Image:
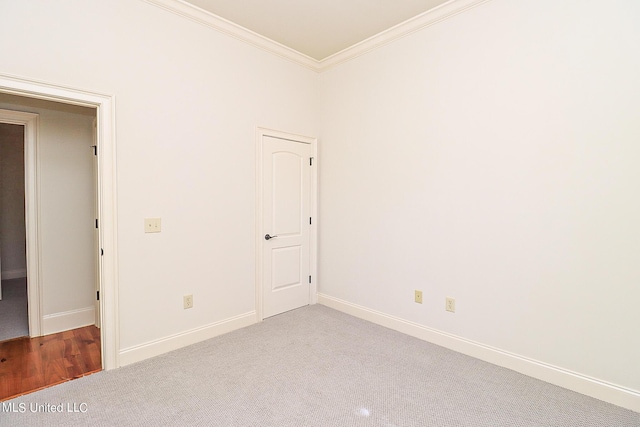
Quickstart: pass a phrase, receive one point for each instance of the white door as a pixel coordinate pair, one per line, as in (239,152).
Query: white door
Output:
(286,201)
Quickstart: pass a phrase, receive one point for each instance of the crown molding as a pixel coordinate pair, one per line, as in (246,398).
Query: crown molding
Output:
(201,16)
(426,19)
(417,23)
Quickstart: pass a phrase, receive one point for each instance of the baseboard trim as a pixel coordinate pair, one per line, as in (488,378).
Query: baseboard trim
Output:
(14,274)
(66,320)
(173,342)
(611,393)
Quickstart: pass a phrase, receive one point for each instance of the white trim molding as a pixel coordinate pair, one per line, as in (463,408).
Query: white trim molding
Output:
(617,395)
(194,13)
(32,213)
(67,320)
(107,209)
(173,342)
(425,19)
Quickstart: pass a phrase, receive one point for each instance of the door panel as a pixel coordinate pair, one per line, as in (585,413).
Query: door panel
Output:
(287,193)
(285,267)
(286,208)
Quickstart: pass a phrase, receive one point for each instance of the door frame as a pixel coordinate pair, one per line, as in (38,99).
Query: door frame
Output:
(106,190)
(313,209)
(30,122)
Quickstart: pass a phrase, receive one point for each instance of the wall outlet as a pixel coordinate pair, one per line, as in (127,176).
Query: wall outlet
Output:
(418,297)
(152,225)
(188,301)
(450,304)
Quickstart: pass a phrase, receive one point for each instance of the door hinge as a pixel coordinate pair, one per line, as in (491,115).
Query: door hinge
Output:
(101,251)
(309,279)
(310,161)
(309,220)
(98,295)
(96,222)
(95,150)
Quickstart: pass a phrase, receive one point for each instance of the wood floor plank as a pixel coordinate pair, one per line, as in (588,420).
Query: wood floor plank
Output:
(30,364)
(71,347)
(53,361)
(11,365)
(75,365)
(89,342)
(32,373)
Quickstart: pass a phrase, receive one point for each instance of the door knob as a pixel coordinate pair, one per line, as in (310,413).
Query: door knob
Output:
(267,237)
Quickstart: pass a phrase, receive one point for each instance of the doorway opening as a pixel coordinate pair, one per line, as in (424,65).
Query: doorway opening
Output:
(52,315)
(286,222)
(14,319)
(48,246)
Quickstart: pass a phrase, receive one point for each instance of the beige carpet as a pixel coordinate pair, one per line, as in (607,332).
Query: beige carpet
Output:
(313,367)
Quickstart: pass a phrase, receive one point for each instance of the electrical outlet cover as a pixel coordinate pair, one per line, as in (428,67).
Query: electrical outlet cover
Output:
(450,304)
(188,301)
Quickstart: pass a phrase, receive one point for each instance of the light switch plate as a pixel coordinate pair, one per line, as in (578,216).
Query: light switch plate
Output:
(418,296)
(152,225)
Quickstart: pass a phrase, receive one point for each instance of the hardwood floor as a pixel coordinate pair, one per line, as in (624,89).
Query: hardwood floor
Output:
(30,364)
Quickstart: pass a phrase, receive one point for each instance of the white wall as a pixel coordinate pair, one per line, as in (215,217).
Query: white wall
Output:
(493,158)
(188,100)
(490,157)
(67,264)
(12,226)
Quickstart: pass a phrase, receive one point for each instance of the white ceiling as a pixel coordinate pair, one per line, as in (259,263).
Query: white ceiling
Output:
(317,28)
